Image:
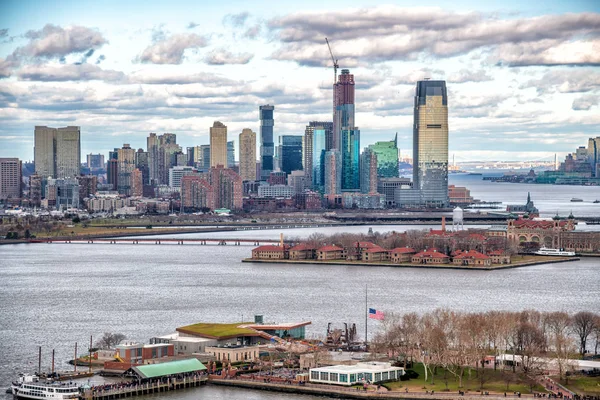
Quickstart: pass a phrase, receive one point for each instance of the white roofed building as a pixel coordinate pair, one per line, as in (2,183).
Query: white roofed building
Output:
(348,375)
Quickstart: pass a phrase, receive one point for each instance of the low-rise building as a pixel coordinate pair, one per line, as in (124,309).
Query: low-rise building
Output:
(331,252)
(402,254)
(376,254)
(303,251)
(137,353)
(472,257)
(235,353)
(430,256)
(499,257)
(348,375)
(270,252)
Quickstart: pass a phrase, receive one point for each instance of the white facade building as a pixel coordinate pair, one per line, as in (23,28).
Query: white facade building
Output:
(348,375)
(275,191)
(176,173)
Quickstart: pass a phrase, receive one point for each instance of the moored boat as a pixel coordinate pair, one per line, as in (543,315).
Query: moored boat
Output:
(30,387)
(576,200)
(554,252)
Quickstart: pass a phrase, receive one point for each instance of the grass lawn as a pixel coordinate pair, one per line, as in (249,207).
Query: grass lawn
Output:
(494,381)
(583,385)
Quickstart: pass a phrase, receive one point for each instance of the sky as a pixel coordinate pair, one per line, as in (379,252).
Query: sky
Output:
(523,78)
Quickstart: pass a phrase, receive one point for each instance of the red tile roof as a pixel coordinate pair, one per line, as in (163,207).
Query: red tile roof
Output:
(477,236)
(377,250)
(271,247)
(330,248)
(403,250)
(496,253)
(472,254)
(302,247)
(430,253)
(532,224)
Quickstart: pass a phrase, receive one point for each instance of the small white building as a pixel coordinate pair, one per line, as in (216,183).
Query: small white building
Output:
(347,375)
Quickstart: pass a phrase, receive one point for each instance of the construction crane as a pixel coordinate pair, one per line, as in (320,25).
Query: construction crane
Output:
(335,62)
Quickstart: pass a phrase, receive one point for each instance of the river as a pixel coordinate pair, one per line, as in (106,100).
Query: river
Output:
(53,295)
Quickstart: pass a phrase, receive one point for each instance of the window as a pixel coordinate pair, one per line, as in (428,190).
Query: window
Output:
(324,376)
(314,375)
(384,376)
(343,377)
(434,126)
(377,376)
(368,376)
(352,378)
(333,377)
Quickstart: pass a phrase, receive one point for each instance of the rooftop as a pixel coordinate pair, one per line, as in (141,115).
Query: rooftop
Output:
(218,331)
(168,368)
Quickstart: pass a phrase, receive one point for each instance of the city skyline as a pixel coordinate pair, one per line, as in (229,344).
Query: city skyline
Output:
(508,76)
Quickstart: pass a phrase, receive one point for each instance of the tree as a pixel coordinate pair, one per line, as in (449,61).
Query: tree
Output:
(109,340)
(584,324)
(559,324)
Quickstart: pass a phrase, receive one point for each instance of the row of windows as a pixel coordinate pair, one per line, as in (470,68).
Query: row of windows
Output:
(367,376)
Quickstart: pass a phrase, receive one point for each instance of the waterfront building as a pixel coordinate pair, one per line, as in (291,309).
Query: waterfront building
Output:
(230,154)
(270,252)
(275,191)
(218,145)
(546,233)
(388,187)
(368,171)
(177,173)
(458,195)
(10,179)
(197,192)
(125,167)
(387,157)
(374,372)
(308,200)
(57,151)
(499,257)
(290,153)
(333,175)
(227,185)
(430,256)
(95,161)
(430,143)
(350,153)
(62,193)
(302,251)
(376,255)
(139,353)
(235,354)
(247,156)
(471,257)
(267,151)
(370,201)
(528,208)
(402,254)
(331,252)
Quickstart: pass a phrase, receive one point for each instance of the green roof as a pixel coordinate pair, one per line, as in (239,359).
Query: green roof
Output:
(169,368)
(218,330)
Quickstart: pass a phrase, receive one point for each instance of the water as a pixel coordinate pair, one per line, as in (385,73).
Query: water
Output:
(54,295)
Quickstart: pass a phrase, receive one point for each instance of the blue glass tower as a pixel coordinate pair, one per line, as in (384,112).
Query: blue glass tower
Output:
(318,161)
(290,153)
(266,140)
(350,159)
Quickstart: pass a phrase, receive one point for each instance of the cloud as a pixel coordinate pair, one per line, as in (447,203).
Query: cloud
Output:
(393,33)
(53,41)
(253,32)
(206,79)
(3,33)
(75,72)
(171,50)
(236,20)
(465,75)
(418,75)
(566,81)
(7,65)
(192,25)
(222,56)
(101,58)
(585,102)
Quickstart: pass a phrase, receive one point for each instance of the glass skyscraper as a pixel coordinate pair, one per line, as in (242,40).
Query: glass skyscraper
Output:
(430,143)
(318,158)
(230,154)
(266,140)
(387,158)
(350,159)
(290,153)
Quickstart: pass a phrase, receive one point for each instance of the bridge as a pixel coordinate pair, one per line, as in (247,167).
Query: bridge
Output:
(221,242)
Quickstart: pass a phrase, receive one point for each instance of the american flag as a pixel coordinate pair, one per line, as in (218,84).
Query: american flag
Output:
(375,314)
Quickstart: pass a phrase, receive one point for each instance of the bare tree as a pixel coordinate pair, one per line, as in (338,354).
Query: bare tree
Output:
(559,324)
(109,340)
(584,323)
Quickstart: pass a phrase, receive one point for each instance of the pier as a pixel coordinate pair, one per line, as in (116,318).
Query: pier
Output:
(122,390)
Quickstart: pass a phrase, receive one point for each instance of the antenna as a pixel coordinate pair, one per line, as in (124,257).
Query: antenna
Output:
(335,62)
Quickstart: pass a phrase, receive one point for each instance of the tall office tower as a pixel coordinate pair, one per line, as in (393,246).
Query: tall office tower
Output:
(593,151)
(88,186)
(45,151)
(307,154)
(290,153)
(430,142)
(318,158)
(10,178)
(152,149)
(247,143)
(126,165)
(142,163)
(167,156)
(35,190)
(112,172)
(197,155)
(205,151)
(387,158)
(230,154)
(350,153)
(190,156)
(333,175)
(343,106)
(68,152)
(266,140)
(95,161)
(218,145)
(137,183)
(180,159)
(368,171)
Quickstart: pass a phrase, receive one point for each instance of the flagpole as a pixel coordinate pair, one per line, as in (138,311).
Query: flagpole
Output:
(366,314)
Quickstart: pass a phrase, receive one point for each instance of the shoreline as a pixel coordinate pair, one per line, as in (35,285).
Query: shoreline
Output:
(410,265)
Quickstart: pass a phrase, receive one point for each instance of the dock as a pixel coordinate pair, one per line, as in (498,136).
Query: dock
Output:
(122,390)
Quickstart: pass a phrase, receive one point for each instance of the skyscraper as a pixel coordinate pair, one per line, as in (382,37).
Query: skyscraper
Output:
(218,144)
(205,151)
(387,158)
(290,153)
(125,167)
(350,153)
(368,171)
(141,163)
(57,151)
(230,154)
(333,175)
(343,107)
(152,149)
(430,142)
(267,150)
(318,158)
(247,143)
(95,161)
(10,178)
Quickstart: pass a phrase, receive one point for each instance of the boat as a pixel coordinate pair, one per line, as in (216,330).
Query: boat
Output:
(596,201)
(576,200)
(554,252)
(30,387)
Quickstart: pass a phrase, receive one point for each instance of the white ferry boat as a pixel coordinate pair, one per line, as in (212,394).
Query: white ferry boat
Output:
(554,252)
(30,387)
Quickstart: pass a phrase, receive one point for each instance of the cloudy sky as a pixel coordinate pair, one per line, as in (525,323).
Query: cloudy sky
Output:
(523,79)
